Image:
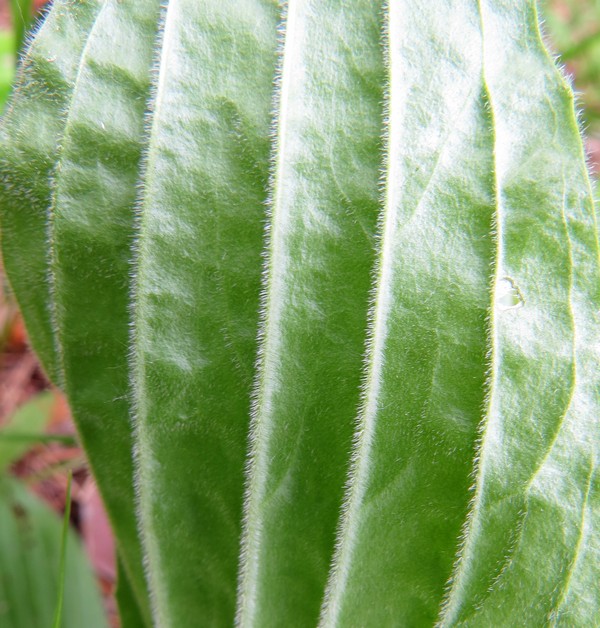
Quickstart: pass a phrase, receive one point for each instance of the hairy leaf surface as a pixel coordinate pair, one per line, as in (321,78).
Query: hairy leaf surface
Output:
(127,601)
(196,308)
(527,528)
(29,147)
(448,320)
(424,386)
(92,227)
(527,544)
(322,228)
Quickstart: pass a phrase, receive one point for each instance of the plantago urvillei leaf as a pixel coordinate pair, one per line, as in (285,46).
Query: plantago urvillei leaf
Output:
(196,300)
(91,233)
(30,137)
(472,493)
(324,210)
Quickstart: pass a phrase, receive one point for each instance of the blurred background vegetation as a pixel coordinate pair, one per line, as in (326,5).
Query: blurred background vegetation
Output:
(573,30)
(38,444)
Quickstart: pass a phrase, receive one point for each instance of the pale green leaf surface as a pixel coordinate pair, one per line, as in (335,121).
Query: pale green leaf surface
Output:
(7,43)
(28,421)
(30,548)
(7,65)
(528,536)
(196,308)
(29,146)
(92,228)
(322,240)
(482,346)
(424,388)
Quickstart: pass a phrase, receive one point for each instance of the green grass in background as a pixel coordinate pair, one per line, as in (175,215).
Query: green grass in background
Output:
(21,12)
(573,28)
(11,41)
(7,63)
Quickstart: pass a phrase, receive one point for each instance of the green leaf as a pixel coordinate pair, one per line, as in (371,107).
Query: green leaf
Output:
(573,29)
(471,283)
(7,42)
(24,429)
(130,615)
(7,65)
(92,225)
(324,212)
(31,439)
(30,549)
(529,542)
(196,304)
(29,147)
(527,529)
(424,386)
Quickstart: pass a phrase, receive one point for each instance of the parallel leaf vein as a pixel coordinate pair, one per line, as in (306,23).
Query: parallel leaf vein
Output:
(375,355)
(452,603)
(52,208)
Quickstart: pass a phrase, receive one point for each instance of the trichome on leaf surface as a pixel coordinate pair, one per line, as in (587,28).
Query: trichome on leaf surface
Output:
(322,284)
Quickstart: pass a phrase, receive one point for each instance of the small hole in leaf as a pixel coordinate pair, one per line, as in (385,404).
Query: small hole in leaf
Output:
(508,295)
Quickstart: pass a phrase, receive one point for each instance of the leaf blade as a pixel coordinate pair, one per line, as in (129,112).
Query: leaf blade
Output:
(30,553)
(322,230)
(28,422)
(197,287)
(62,569)
(424,387)
(29,146)
(92,228)
(526,526)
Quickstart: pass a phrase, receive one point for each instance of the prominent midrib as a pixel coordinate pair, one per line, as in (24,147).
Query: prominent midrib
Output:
(269,337)
(145,525)
(451,604)
(461,580)
(377,335)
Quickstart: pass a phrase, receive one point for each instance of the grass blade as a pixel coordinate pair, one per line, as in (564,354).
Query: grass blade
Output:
(63,555)
(21,15)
